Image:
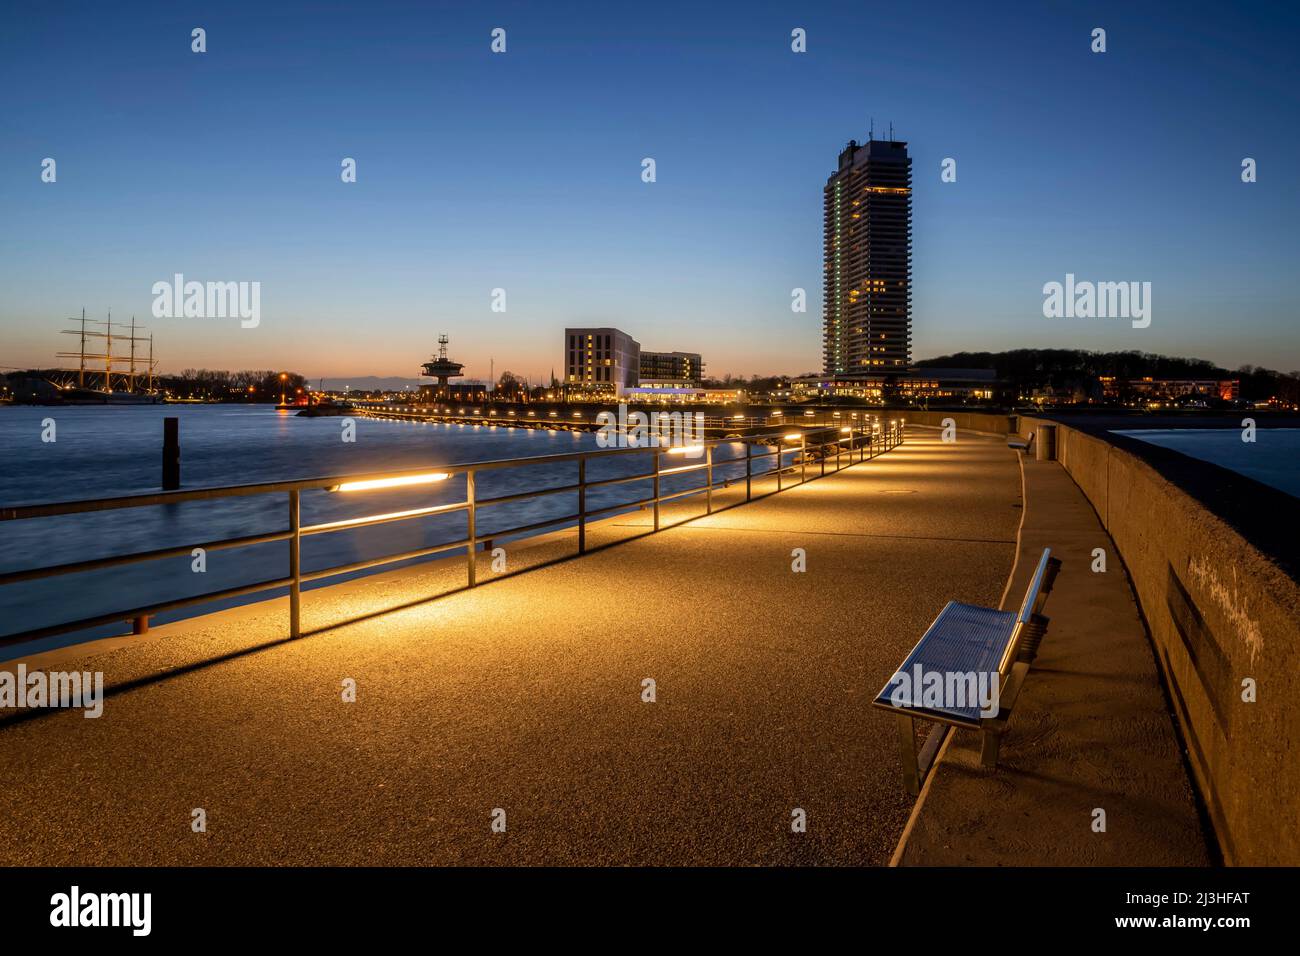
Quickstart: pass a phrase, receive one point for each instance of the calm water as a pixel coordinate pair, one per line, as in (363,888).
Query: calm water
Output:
(103,451)
(1273,458)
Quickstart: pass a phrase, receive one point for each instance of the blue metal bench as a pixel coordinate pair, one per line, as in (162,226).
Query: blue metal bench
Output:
(967,648)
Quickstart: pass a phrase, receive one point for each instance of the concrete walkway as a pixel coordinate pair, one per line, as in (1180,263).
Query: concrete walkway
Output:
(1091,730)
(525,694)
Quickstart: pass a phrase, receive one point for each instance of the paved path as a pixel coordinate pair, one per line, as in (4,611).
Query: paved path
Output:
(1092,728)
(525,694)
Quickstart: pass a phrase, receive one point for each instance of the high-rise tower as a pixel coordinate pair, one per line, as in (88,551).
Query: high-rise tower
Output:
(867,317)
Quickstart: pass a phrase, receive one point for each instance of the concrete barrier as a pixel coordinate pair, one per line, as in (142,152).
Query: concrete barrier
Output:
(1224,620)
(983,423)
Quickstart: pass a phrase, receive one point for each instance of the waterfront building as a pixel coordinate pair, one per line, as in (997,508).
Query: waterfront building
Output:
(603,363)
(867,261)
(671,369)
(1147,387)
(910,385)
(669,394)
(600,362)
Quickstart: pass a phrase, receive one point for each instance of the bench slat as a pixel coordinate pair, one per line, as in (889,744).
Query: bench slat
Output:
(964,639)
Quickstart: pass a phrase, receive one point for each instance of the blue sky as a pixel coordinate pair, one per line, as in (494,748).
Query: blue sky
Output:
(522,171)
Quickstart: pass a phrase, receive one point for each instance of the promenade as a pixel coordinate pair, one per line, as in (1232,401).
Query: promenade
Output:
(525,694)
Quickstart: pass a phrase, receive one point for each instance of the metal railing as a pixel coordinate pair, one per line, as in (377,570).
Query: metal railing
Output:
(490,413)
(866,441)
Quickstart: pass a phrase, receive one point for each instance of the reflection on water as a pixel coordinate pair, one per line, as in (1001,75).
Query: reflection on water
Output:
(105,451)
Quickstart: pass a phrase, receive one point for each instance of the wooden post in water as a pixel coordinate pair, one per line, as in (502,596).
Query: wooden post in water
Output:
(171,457)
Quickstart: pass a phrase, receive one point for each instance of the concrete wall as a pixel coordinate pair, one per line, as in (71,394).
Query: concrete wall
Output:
(1220,613)
(985,423)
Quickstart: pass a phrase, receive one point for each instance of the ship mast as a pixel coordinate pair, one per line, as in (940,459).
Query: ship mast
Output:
(81,372)
(130,375)
(108,354)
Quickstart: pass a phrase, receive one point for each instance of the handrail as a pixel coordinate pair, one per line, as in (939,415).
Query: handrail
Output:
(865,439)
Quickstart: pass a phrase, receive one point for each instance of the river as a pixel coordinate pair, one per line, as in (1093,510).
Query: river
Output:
(105,451)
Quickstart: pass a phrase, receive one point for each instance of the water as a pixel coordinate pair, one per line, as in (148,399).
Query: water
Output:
(107,451)
(1273,458)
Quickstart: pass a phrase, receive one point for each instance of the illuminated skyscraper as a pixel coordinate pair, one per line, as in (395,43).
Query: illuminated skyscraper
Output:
(867,317)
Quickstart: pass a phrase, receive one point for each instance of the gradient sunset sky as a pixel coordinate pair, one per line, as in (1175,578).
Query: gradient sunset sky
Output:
(523,171)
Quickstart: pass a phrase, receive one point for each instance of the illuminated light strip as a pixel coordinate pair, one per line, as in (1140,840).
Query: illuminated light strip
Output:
(392,515)
(793,437)
(391,482)
(685,450)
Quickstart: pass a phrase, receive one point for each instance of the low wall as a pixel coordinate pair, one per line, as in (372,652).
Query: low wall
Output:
(986,423)
(1223,616)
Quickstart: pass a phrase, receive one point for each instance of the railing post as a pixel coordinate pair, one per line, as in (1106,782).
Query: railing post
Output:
(708,474)
(780,460)
(656,508)
(803,457)
(471,564)
(749,469)
(582,506)
(295,564)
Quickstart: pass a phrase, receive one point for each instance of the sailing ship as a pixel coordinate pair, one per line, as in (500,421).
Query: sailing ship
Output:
(125,379)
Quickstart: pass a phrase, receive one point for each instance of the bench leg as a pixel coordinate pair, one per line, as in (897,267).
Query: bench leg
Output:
(990,741)
(907,753)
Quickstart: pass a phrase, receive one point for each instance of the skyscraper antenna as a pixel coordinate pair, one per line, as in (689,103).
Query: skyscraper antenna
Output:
(871,132)
(891,131)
